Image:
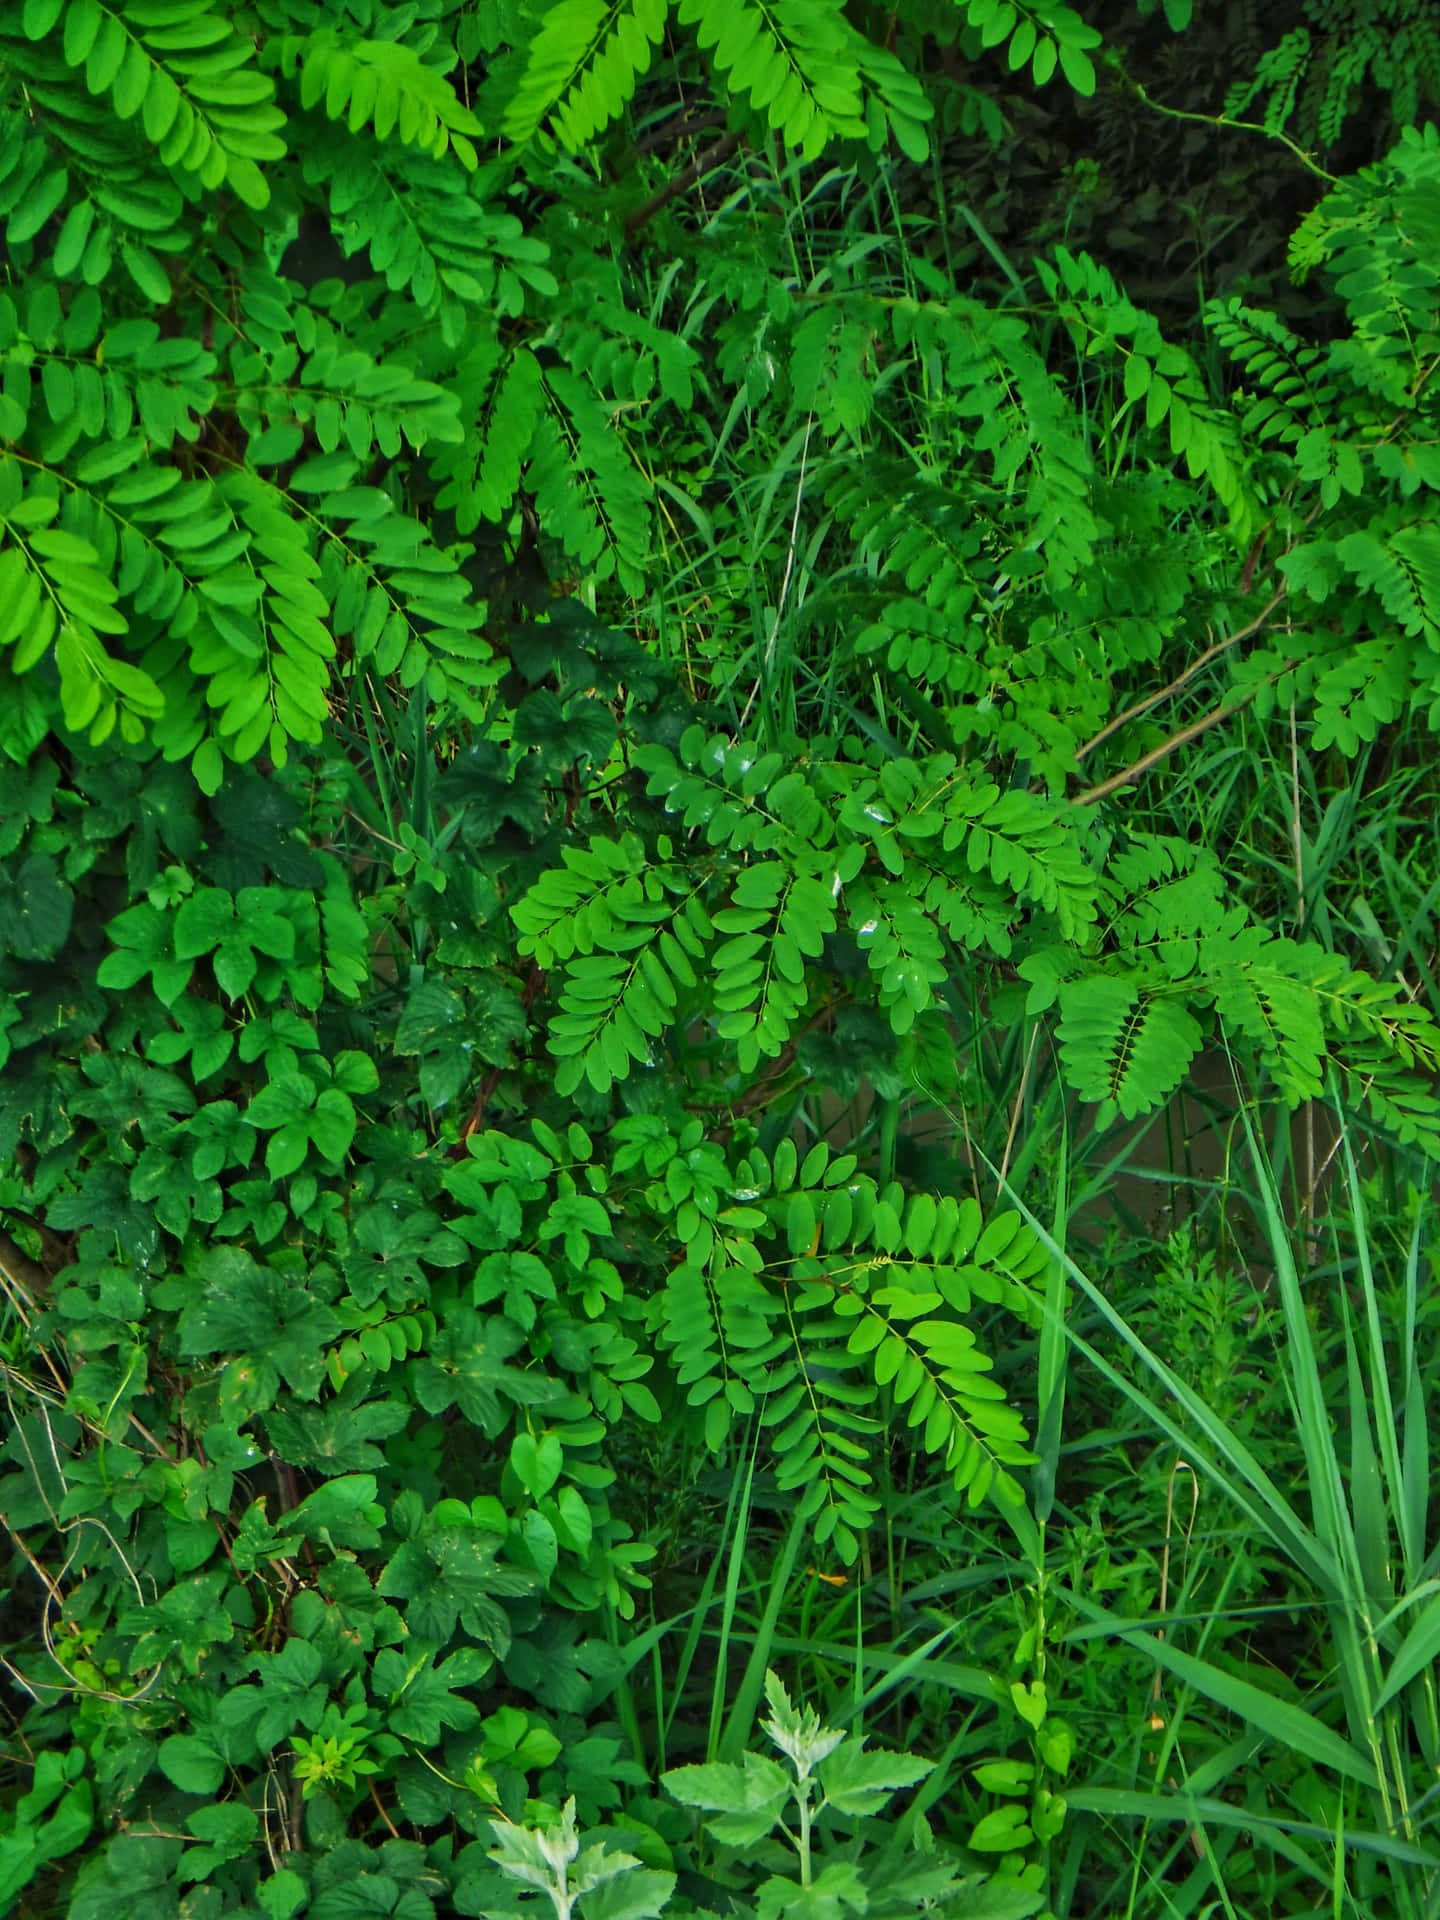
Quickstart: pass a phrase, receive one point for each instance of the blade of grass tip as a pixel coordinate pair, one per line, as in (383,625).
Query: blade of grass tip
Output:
(1337,1881)
(1054,1350)
(928,1792)
(1414,1508)
(1412,1519)
(1385,1416)
(657,1691)
(1254,1493)
(1192,1810)
(893,1676)
(1367,1492)
(1386,1424)
(1209,1776)
(383,791)
(991,246)
(967,1683)
(625,1707)
(1417,1654)
(1353,1528)
(739,1491)
(857,1682)
(733,1568)
(422,765)
(752,1682)
(1355,1626)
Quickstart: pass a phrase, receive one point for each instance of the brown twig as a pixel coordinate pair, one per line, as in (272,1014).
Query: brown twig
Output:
(1167,747)
(492,1079)
(380,1809)
(682,127)
(55,1248)
(714,156)
(1183,679)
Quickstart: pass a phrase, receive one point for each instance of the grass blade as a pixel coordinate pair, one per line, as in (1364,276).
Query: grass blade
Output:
(1295,1729)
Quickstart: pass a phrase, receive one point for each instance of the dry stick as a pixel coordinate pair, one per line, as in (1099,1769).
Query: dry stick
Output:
(297,1815)
(1182,680)
(270,1774)
(55,1596)
(28,1278)
(714,156)
(25,1285)
(380,1809)
(1167,747)
(492,1079)
(683,127)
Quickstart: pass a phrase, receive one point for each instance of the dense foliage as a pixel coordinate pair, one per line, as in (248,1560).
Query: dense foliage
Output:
(591,681)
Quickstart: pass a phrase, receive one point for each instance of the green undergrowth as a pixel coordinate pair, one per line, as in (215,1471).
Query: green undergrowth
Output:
(717,1003)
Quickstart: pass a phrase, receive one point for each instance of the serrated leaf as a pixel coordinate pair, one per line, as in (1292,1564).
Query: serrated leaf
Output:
(191,1764)
(858,1782)
(746,1799)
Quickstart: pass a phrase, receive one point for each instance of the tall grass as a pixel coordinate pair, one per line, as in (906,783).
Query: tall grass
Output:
(1332,1767)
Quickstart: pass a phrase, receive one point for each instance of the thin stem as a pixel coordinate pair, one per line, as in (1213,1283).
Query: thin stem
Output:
(706,162)
(1167,747)
(1226,124)
(769,654)
(1183,679)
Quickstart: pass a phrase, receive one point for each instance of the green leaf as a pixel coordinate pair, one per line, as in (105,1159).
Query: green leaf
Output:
(537,1463)
(748,1798)
(1002,1830)
(859,1783)
(285,1098)
(203,922)
(332,1123)
(800,1223)
(1077,68)
(292,1692)
(191,1764)
(639,1893)
(229,1831)
(35,909)
(422,1698)
(40,17)
(37,206)
(282,1895)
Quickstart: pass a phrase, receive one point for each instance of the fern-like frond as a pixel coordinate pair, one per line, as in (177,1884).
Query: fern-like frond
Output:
(796,60)
(383,85)
(56,597)
(1040,36)
(808,1289)
(1402,569)
(181,72)
(775,922)
(583,67)
(1123,1048)
(431,230)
